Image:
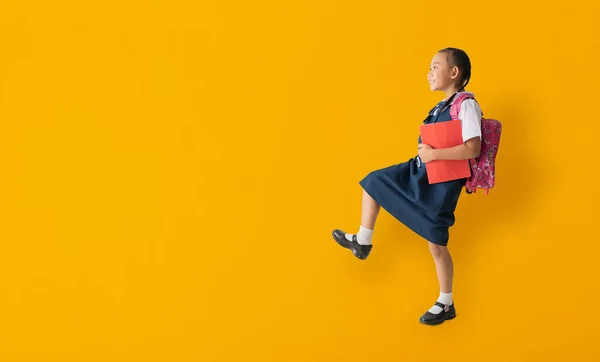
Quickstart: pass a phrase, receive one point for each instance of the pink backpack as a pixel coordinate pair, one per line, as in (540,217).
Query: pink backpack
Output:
(483,167)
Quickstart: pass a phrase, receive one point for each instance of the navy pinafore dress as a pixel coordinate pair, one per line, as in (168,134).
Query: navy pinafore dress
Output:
(404,191)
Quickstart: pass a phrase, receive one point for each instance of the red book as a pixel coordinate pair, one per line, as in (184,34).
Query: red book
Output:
(444,135)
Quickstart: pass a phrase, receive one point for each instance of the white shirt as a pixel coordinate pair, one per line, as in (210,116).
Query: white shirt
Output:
(470,117)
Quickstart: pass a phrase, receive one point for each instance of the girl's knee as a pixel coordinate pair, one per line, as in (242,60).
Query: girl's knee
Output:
(437,250)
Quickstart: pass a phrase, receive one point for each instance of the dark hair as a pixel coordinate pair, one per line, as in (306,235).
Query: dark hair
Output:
(460,59)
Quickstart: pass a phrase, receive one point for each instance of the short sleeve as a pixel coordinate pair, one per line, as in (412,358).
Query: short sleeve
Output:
(470,117)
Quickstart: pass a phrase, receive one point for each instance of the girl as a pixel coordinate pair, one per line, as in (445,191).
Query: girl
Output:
(404,191)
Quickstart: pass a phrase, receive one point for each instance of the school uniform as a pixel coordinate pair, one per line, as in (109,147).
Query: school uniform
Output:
(404,191)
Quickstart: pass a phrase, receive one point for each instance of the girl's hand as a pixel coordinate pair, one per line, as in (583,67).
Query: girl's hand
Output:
(425,153)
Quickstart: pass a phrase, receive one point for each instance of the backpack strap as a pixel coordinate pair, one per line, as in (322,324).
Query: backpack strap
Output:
(455,107)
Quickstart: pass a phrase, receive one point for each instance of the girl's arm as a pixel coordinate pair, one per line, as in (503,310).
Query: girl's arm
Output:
(467,150)
(470,116)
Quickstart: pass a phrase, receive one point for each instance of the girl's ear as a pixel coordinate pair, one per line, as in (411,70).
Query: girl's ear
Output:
(454,72)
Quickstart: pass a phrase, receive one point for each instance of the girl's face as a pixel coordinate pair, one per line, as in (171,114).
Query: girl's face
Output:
(441,75)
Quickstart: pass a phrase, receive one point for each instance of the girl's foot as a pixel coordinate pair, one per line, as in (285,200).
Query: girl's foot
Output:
(360,251)
(448,312)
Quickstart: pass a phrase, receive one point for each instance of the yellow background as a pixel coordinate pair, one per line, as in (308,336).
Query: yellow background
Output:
(172,172)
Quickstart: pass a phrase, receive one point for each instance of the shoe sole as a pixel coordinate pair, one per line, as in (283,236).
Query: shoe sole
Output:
(355,251)
(436,323)
(357,254)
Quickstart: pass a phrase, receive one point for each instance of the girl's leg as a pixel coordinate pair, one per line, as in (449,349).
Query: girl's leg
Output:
(443,265)
(443,309)
(360,243)
(370,210)
(445,272)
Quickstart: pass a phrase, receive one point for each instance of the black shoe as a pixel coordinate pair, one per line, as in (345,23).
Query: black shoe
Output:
(447,313)
(360,251)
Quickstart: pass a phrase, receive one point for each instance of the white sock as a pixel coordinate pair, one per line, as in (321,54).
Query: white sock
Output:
(363,237)
(445,298)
